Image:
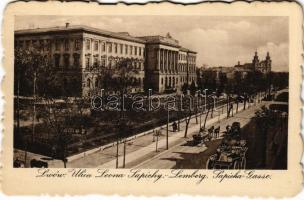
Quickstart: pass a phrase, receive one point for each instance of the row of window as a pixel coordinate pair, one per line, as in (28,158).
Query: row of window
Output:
(169,81)
(37,44)
(67,45)
(96,61)
(182,57)
(191,59)
(172,81)
(111,63)
(116,48)
(181,67)
(46,44)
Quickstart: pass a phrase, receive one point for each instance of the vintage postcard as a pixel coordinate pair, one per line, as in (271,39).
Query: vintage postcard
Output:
(155,99)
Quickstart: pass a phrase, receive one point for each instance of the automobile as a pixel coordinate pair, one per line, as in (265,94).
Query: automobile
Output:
(234,131)
(236,127)
(231,154)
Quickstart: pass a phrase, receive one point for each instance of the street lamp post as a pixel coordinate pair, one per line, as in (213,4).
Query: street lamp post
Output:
(157,133)
(213,108)
(200,120)
(205,90)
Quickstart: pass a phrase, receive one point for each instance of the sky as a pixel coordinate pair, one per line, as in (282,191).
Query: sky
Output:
(219,41)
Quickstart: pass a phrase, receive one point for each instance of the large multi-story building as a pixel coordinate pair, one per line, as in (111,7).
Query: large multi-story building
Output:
(168,65)
(79,53)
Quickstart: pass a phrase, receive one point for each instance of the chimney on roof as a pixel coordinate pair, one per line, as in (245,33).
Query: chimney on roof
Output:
(67,25)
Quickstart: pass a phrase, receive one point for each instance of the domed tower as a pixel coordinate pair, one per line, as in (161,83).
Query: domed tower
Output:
(255,61)
(268,63)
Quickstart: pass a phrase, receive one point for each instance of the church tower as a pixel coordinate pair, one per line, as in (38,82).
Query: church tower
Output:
(268,63)
(255,61)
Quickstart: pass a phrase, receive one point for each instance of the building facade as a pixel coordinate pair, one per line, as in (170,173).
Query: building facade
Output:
(168,65)
(79,54)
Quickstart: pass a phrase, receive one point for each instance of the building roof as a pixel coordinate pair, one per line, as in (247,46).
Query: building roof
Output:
(186,50)
(244,67)
(83,28)
(219,69)
(166,40)
(158,39)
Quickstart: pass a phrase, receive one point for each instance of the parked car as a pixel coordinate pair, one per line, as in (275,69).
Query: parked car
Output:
(231,154)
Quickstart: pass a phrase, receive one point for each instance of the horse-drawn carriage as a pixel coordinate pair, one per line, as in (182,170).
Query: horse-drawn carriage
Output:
(201,137)
(204,136)
(231,153)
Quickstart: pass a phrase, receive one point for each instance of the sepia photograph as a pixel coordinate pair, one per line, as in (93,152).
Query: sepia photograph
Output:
(151,92)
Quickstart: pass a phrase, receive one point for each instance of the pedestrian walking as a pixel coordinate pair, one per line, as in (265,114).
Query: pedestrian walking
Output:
(54,150)
(231,108)
(217,132)
(174,126)
(228,129)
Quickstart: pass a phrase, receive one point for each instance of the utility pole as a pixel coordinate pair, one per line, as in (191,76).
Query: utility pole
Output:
(205,90)
(213,107)
(117,151)
(200,120)
(124,154)
(157,133)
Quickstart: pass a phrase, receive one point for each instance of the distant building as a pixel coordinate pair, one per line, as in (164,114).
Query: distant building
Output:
(263,66)
(79,52)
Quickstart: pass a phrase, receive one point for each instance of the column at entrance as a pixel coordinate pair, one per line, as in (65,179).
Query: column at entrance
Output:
(158,59)
(163,59)
(167,61)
